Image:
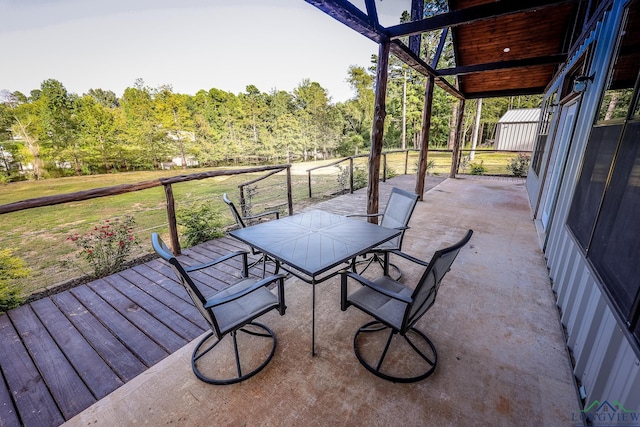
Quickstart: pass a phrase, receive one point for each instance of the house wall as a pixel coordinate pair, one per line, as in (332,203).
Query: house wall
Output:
(606,362)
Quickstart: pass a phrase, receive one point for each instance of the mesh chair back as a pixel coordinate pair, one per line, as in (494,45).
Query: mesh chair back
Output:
(398,212)
(234,211)
(426,291)
(196,296)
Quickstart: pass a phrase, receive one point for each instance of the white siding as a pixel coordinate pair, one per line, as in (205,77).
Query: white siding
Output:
(605,363)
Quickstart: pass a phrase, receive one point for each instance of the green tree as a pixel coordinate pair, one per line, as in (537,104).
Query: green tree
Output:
(142,132)
(60,123)
(312,103)
(176,121)
(98,132)
(27,125)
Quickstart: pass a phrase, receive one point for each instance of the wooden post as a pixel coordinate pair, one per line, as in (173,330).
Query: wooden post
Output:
(455,155)
(171,217)
(379,114)
(406,161)
(309,180)
(243,202)
(289,191)
(384,167)
(424,136)
(351,175)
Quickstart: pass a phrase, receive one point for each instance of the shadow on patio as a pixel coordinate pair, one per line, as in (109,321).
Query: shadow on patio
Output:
(502,356)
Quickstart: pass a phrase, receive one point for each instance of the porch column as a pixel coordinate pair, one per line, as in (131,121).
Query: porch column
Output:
(379,115)
(424,136)
(455,155)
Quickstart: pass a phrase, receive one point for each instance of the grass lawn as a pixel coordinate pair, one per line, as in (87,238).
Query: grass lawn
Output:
(39,235)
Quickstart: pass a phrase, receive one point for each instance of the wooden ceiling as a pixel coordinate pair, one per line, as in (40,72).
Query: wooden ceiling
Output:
(502,48)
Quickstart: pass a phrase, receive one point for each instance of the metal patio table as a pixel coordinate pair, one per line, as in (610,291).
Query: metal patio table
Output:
(310,244)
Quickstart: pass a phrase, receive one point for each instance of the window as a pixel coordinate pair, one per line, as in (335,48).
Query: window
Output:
(549,106)
(604,211)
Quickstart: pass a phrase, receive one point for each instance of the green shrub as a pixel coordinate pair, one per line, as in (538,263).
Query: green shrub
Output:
(11,269)
(519,166)
(202,223)
(343,178)
(431,164)
(478,168)
(107,246)
(360,177)
(391,172)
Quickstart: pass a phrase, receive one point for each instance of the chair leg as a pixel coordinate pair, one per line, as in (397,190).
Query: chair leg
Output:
(429,357)
(264,259)
(198,353)
(384,264)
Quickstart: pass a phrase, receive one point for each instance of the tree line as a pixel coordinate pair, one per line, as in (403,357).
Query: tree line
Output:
(60,133)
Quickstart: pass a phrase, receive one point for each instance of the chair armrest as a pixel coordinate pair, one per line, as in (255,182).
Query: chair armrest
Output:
(369,284)
(260,215)
(214,302)
(215,261)
(409,257)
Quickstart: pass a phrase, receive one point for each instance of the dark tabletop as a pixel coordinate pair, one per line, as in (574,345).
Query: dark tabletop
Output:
(315,241)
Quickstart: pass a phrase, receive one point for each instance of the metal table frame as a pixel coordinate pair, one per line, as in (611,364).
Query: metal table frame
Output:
(310,244)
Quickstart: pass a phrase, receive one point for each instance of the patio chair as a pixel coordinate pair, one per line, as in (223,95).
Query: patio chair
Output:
(396,308)
(240,221)
(396,215)
(228,312)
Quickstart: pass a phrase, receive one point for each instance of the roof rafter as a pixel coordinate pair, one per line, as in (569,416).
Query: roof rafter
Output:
(468,15)
(405,54)
(352,17)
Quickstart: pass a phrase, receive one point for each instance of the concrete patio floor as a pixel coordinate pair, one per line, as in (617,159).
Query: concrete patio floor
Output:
(502,359)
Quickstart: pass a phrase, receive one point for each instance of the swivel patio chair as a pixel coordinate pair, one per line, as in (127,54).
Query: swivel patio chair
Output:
(241,222)
(228,312)
(396,308)
(396,215)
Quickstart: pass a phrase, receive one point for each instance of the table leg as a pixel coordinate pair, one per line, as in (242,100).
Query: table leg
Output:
(313,320)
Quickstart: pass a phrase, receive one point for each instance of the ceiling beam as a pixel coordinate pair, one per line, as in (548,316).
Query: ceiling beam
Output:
(470,14)
(492,66)
(503,93)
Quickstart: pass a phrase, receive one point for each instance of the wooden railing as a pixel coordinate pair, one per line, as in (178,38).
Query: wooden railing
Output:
(168,190)
(350,160)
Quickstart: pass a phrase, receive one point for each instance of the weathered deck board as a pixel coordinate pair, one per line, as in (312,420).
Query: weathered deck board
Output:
(95,337)
(147,350)
(32,399)
(61,353)
(124,363)
(93,370)
(67,388)
(8,413)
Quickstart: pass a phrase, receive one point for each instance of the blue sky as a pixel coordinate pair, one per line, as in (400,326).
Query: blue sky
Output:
(190,44)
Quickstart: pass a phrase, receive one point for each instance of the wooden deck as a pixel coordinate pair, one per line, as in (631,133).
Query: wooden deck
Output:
(62,353)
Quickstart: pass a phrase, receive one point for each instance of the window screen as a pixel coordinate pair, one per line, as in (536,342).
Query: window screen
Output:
(615,249)
(593,178)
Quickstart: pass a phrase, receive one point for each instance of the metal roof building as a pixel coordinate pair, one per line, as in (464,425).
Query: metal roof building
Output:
(516,130)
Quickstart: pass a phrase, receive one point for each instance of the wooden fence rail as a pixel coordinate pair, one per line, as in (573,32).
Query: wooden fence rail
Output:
(166,182)
(350,160)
